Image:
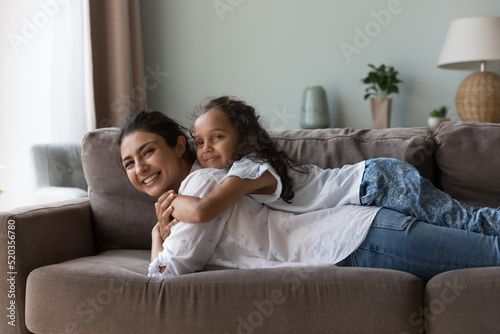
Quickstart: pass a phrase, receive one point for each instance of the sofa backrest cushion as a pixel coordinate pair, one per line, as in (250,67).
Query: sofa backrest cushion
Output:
(331,148)
(468,161)
(124,217)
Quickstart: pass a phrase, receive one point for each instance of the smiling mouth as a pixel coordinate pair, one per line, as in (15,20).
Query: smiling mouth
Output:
(151,178)
(211,159)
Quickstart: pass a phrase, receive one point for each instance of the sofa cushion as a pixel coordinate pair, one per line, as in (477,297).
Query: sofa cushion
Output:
(468,162)
(463,301)
(329,148)
(110,293)
(123,216)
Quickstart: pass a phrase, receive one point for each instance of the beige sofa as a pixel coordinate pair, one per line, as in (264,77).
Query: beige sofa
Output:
(80,266)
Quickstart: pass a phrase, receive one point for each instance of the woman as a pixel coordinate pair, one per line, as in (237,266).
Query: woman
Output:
(156,156)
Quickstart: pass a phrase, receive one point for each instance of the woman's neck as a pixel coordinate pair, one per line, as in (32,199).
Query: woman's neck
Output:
(185,170)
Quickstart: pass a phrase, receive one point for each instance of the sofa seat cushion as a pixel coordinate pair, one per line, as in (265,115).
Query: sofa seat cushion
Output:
(463,301)
(110,293)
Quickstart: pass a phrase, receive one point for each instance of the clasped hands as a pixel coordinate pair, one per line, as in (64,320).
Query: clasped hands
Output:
(164,210)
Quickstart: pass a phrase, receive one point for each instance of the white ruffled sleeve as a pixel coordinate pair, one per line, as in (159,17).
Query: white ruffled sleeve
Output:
(154,267)
(249,168)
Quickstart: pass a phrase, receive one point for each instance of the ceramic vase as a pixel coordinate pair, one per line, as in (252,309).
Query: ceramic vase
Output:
(314,111)
(381,112)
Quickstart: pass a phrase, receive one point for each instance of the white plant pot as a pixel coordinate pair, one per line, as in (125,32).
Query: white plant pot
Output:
(433,122)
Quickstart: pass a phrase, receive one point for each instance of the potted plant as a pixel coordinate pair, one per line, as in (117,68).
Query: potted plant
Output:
(437,116)
(382,81)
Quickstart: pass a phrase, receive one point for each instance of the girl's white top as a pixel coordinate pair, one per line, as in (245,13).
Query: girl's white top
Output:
(251,235)
(314,188)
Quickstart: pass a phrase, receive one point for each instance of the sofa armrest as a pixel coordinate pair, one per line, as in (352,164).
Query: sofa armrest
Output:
(35,236)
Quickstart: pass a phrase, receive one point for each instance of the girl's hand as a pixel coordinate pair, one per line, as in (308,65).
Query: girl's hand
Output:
(163,214)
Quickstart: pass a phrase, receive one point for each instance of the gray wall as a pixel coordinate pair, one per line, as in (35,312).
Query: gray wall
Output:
(267,51)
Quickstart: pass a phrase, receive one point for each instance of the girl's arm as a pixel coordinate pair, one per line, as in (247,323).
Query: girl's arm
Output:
(199,210)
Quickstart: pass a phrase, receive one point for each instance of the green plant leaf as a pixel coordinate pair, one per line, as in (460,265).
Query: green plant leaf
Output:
(382,81)
(439,112)
(435,113)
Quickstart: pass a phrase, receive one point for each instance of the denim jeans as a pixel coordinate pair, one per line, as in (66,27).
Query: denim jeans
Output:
(397,185)
(399,242)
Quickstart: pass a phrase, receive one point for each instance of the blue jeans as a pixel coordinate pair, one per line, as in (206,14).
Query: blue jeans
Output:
(399,242)
(397,185)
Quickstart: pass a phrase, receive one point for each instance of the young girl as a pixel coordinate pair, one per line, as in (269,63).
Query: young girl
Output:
(221,139)
(227,135)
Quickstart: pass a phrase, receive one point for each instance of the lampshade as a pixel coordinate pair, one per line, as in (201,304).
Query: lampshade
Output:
(471,41)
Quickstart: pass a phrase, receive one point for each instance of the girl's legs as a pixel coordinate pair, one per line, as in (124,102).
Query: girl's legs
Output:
(397,185)
(398,242)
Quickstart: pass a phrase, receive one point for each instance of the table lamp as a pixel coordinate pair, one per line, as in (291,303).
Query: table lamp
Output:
(474,44)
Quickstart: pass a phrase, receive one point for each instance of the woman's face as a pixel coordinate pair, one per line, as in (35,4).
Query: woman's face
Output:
(151,165)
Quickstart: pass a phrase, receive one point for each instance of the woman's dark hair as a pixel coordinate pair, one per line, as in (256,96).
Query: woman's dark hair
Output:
(160,124)
(253,139)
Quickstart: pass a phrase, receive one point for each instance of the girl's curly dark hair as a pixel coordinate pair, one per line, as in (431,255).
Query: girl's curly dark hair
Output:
(253,138)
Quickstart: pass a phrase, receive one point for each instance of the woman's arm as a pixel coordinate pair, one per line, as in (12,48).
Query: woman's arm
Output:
(199,210)
(161,231)
(156,244)
(190,246)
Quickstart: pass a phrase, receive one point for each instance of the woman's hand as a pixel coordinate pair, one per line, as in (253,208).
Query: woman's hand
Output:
(163,214)
(155,233)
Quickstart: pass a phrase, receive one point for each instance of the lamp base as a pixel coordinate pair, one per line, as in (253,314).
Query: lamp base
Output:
(478,98)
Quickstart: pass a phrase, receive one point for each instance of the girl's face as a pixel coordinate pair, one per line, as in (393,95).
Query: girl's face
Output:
(151,165)
(215,139)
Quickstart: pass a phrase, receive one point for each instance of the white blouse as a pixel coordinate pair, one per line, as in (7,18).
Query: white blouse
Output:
(251,235)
